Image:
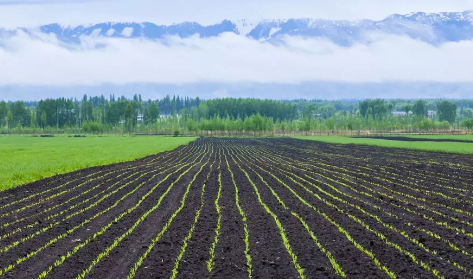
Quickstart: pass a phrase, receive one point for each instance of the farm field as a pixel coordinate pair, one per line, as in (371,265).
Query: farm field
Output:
(26,159)
(247,208)
(448,144)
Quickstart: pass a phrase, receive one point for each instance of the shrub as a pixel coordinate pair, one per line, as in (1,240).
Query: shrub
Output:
(93,127)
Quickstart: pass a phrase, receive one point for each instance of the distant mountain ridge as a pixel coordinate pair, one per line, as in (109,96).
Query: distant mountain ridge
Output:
(431,28)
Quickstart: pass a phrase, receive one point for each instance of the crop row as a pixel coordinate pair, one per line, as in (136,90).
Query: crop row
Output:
(260,207)
(136,183)
(264,158)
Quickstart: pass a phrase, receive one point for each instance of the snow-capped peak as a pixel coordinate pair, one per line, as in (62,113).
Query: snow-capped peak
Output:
(244,26)
(431,28)
(127,32)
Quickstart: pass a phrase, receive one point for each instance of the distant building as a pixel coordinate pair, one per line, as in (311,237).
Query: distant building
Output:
(431,114)
(400,113)
(139,118)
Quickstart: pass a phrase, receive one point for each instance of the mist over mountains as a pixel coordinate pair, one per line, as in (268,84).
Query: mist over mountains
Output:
(418,55)
(432,28)
(305,90)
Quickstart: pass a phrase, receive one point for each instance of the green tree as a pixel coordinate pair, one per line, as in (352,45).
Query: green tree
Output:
(116,112)
(307,125)
(3,113)
(377,108)
(192,125)
(33,119)
(468,124)
(184,115)
(447,111)
(308,112)
(44,120)
(21,114)
(419,108)
(407,109)
(129,117)
(153,112)
(204,111)
(146,118)
(10,119)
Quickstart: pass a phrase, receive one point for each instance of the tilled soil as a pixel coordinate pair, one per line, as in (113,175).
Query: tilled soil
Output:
(247,208)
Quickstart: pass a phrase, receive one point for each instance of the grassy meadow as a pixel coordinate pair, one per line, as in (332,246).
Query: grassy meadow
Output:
(25,159)
(449,147)
(455,137)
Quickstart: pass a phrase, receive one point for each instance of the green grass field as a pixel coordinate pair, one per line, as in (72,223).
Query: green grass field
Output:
(450,147)
(25,158)
(457,137)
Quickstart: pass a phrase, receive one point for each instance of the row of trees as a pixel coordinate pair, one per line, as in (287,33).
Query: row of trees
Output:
(246,107)
(187,115)
(378,109)
(15,114)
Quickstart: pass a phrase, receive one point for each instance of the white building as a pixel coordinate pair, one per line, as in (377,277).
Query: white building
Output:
(431,114)
(400,113)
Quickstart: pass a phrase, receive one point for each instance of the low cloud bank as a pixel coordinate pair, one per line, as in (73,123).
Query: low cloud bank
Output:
(38,59)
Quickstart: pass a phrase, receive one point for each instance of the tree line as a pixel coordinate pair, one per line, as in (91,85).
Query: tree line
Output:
(231,115)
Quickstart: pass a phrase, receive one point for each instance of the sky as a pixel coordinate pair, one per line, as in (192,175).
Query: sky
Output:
(41,60)
(29,13)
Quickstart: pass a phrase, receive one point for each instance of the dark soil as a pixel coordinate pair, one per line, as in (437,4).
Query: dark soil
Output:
(398,205)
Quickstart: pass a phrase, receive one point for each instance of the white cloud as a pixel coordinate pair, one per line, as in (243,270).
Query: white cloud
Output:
(43,60)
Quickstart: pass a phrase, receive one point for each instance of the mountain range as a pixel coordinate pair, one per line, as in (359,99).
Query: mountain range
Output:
(433,28)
